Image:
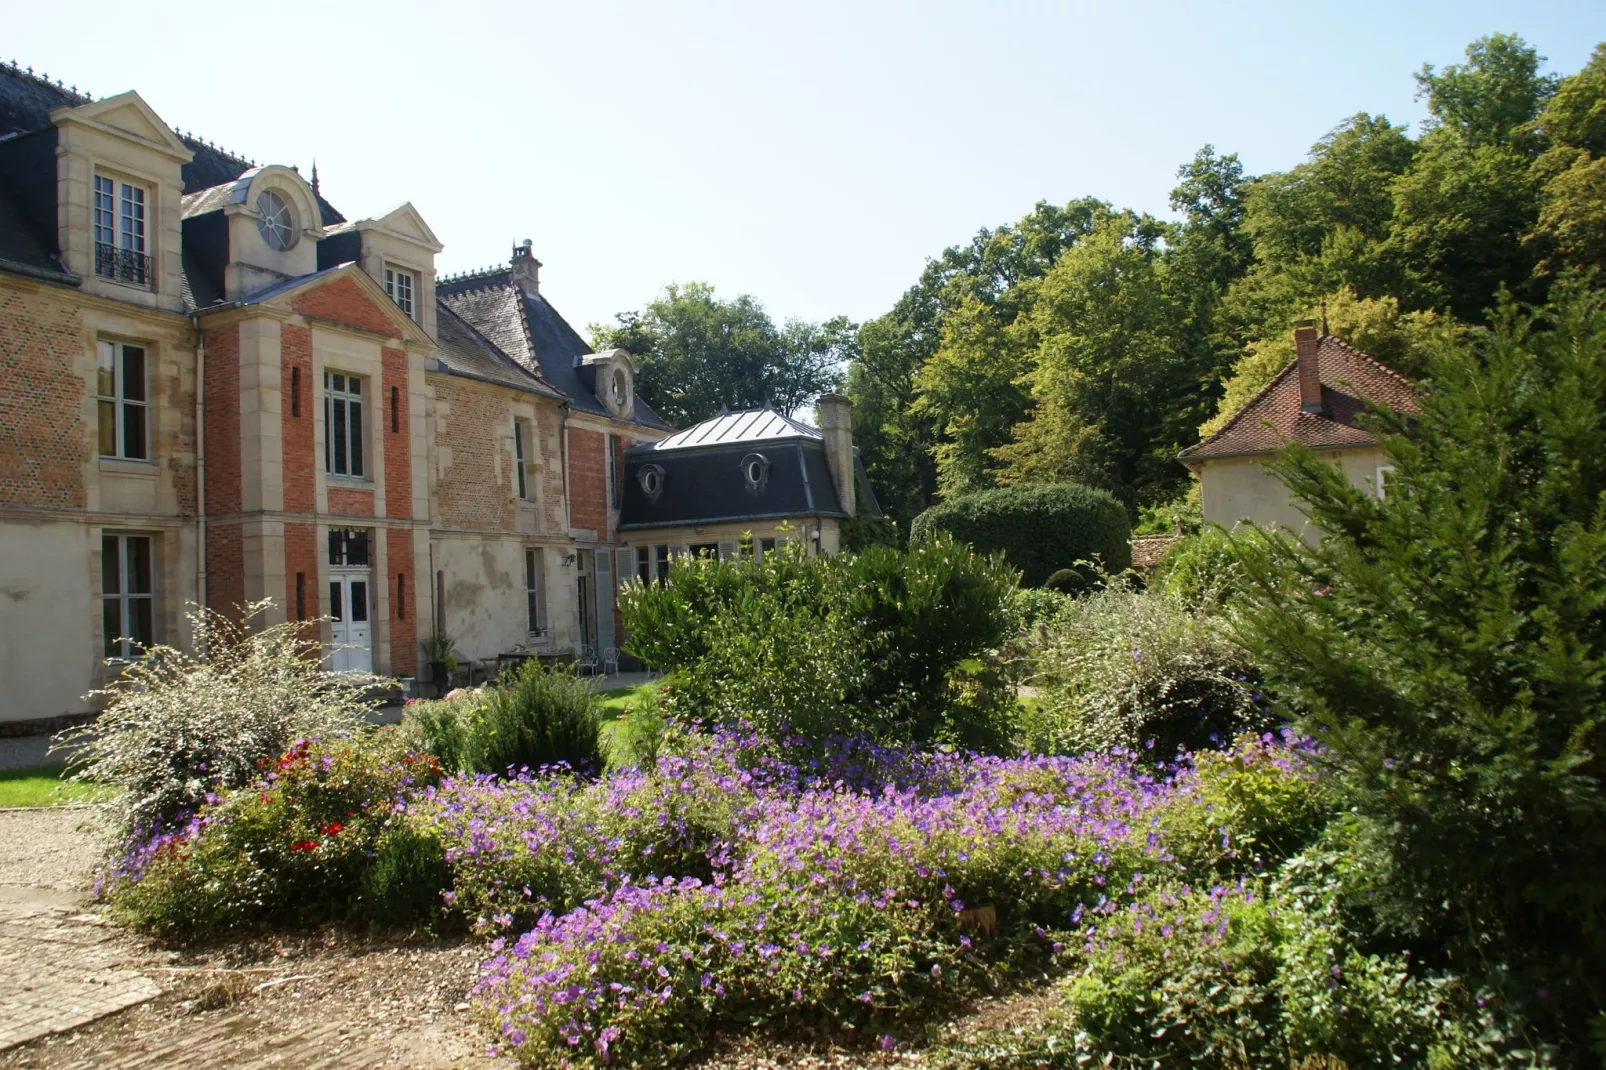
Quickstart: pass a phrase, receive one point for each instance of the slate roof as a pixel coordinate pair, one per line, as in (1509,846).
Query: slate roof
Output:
(461,350)
(525,326)
(26,174)
(704,483)
(1350,379)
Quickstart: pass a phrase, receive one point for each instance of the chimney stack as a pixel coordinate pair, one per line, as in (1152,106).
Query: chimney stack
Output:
(1310,373)
(526,268)
(836,422)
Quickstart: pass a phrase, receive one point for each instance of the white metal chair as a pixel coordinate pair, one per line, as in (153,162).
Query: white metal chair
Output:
(587,660)
(610,661)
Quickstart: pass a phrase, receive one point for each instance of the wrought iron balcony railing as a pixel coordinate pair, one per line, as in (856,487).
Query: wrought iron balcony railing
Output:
(123,265)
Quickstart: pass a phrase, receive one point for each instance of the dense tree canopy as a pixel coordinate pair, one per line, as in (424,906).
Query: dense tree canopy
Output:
(1089,343)
(697,353)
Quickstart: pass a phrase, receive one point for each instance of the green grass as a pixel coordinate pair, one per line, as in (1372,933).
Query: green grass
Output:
(616,705)
(41,785)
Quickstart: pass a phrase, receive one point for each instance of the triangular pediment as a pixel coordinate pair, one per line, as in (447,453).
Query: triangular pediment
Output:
(127,114)
(404,222)
(343,295)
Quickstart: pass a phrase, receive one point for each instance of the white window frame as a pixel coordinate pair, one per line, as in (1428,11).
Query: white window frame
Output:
(111,361)
(349,401)
(121,218)
(401,284)
(120,644)
(535,589)
(1384,471)
(520,461)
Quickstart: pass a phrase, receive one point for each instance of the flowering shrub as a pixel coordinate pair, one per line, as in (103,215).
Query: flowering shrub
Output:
(299,844)
(819,900)
(179,727)
(1122,668)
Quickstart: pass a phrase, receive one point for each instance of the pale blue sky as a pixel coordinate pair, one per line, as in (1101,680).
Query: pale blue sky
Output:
(812,155)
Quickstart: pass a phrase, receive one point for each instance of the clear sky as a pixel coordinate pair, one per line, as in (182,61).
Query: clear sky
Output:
(813,154)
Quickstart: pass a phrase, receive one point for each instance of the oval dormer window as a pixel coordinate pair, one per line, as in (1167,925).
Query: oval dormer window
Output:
(755,469)
(651,478)
(620,388)
(275,221)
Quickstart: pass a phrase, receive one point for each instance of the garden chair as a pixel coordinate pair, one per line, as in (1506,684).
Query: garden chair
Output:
(610,661)
(587,661)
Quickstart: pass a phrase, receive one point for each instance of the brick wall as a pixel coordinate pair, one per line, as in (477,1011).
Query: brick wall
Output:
(301,555)
(403,610)
(398,450)
(344,301)
(43,440)
(588,480)
(300,466)
(222,396)
(350,501)
(474,488)
(225,565)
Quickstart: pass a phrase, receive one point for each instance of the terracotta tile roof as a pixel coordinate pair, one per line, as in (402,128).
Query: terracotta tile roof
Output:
(1350,379)
(1149,550)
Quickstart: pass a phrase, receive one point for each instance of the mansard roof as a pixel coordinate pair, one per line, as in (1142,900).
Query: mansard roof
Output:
(464,351)
(1351,381)
(525,326)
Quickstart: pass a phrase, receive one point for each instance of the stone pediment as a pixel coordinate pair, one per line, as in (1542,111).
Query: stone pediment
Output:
(128,115)
(404,222)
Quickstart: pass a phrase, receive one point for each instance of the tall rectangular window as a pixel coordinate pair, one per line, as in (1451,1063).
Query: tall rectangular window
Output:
(342,414)
(535,589)
(613,472)
(1385,476)
(120,236)
(121,393)
(518,461)
(127,592)
(399,285)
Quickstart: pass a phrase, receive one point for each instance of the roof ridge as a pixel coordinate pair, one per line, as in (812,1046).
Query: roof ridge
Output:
(466,276)
(1384,368)
(1239,415)
(43,79)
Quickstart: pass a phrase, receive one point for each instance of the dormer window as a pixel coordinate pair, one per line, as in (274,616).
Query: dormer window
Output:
(120,251)
(276,221)
(399,284)
(620,387)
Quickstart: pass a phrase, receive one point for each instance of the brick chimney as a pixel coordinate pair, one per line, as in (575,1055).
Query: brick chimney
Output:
(526,268)
(836,422)
(1310,373)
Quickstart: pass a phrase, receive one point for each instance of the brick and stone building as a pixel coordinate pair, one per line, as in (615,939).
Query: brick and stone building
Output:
(217,389)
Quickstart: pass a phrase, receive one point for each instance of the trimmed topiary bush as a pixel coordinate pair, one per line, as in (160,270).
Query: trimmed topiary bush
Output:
(1042,528)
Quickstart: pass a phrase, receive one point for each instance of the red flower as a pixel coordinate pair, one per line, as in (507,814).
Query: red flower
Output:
(334,828)
(304,845)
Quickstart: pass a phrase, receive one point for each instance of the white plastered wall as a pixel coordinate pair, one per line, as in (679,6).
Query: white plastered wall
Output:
(1237,489)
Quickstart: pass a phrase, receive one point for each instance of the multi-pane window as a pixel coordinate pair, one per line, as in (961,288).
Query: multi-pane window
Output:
(399,285)
(348,547)
(121,395)
(519,460)
(120,251)
(127,591)
(342,413)
(535,590)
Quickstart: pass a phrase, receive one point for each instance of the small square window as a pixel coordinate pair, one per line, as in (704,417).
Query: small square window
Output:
(1385,476)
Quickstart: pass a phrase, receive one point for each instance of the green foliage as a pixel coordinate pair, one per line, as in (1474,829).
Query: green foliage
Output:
(1121,667)
(1040,528)
(1448,648)
(536,716)
(178,726)
(1201,572)
(892,644)
(1031,606)
(862,531)
(316,839)
(1182,515)
(697,353)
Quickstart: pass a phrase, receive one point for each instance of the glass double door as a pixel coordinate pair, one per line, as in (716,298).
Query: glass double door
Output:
(351,632)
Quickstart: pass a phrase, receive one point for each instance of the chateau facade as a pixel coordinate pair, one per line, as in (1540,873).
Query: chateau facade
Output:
(218,389)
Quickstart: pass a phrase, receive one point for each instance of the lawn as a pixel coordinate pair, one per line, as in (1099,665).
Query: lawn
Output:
(616,705)
(41,785)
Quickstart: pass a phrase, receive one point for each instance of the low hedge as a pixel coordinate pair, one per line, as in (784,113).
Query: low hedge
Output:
(1041,528)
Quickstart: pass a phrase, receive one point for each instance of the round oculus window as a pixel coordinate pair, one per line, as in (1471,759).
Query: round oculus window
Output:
(276,222)
(755,468)
(652,480)
(621,387)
